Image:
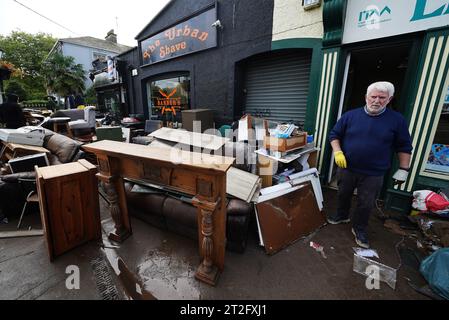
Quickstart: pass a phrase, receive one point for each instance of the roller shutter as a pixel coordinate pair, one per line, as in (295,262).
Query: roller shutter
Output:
(277,86)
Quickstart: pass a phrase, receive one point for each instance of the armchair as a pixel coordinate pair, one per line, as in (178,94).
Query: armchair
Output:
(87,123)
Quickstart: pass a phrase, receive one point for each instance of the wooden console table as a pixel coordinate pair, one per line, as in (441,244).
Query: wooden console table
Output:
(202,176)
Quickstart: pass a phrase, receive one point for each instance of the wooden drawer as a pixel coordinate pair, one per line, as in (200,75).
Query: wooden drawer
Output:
(285,144)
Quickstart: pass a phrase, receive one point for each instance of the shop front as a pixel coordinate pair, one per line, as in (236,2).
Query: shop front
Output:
(233,57)
(404,42)
(167,97)
(111,90)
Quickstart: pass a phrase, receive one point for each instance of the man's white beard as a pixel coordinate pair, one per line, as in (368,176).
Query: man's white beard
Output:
(375,112)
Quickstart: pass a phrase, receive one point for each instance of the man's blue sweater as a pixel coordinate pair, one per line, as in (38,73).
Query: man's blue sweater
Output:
(368,141)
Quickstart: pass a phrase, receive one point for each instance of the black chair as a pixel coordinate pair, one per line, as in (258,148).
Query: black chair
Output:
(29,188)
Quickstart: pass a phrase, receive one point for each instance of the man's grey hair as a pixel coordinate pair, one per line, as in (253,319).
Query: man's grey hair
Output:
(383,86)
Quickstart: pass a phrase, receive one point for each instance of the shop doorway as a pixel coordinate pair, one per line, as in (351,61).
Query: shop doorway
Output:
(365,66)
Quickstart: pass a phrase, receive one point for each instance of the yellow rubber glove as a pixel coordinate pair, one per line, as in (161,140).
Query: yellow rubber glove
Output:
(340,159)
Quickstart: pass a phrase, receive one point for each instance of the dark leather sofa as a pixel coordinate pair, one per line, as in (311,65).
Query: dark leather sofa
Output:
(12,194)
(168,213)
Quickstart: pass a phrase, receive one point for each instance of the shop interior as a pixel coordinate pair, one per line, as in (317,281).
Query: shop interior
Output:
(368,65)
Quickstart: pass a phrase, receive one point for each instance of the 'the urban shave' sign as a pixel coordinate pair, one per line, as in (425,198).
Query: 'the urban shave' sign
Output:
(192,35)
(372,19)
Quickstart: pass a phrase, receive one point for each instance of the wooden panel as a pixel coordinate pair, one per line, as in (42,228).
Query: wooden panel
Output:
(285,219)
(60,170)
(204,188)
(182,179)
(44,212)
(94,228)
(69,206)
(219,223)
(104,165)
(166,174)
(66,214)
(22,233)
(154,172)
(14,150)
(174,156)
(241,184)
(25,147)
(195,139)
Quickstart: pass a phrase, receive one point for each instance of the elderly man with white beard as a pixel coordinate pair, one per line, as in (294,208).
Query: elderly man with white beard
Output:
(363,140)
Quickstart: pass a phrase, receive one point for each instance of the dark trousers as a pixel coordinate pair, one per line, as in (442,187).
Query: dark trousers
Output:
(368,189)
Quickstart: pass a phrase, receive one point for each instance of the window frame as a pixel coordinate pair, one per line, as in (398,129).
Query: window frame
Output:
(434,126)
(169,76)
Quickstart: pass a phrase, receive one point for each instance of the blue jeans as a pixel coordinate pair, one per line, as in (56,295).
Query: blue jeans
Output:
(368,189)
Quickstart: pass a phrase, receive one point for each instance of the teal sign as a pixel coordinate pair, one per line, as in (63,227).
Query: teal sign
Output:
(375,19)
(373,13)
(420,11)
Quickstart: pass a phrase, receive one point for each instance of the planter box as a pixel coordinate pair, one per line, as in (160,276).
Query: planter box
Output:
(285,144)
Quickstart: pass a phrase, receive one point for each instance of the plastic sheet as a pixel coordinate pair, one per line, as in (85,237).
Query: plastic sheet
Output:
(386,273)
(435,269)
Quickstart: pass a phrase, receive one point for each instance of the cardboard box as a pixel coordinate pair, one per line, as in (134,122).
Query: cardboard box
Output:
(206,116)
(285,144)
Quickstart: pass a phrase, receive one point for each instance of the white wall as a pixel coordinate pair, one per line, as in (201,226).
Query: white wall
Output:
(83,55)
(290,20)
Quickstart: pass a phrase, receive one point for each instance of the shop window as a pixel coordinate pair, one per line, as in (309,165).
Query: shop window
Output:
(167,97)
(310,4)
(112,103)
(438,160)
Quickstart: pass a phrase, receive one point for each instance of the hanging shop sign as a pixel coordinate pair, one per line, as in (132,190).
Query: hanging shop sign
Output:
(372,19)
(111,69)
(190,36)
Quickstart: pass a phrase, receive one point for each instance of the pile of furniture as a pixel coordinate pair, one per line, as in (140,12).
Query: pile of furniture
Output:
(59,149)
(175,215)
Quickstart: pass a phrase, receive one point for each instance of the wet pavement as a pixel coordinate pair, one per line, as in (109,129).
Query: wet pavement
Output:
(157,264)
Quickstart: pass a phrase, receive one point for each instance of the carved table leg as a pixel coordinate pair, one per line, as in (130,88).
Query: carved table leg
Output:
(120,233)
(207,271)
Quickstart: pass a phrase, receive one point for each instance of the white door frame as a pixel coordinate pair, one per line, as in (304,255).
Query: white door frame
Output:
(340,109)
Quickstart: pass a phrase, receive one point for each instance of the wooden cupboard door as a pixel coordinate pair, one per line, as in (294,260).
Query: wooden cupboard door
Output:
(285,219)
(71,211)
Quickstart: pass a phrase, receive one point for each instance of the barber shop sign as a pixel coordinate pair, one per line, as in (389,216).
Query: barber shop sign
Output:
(192,35)
(369,19)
